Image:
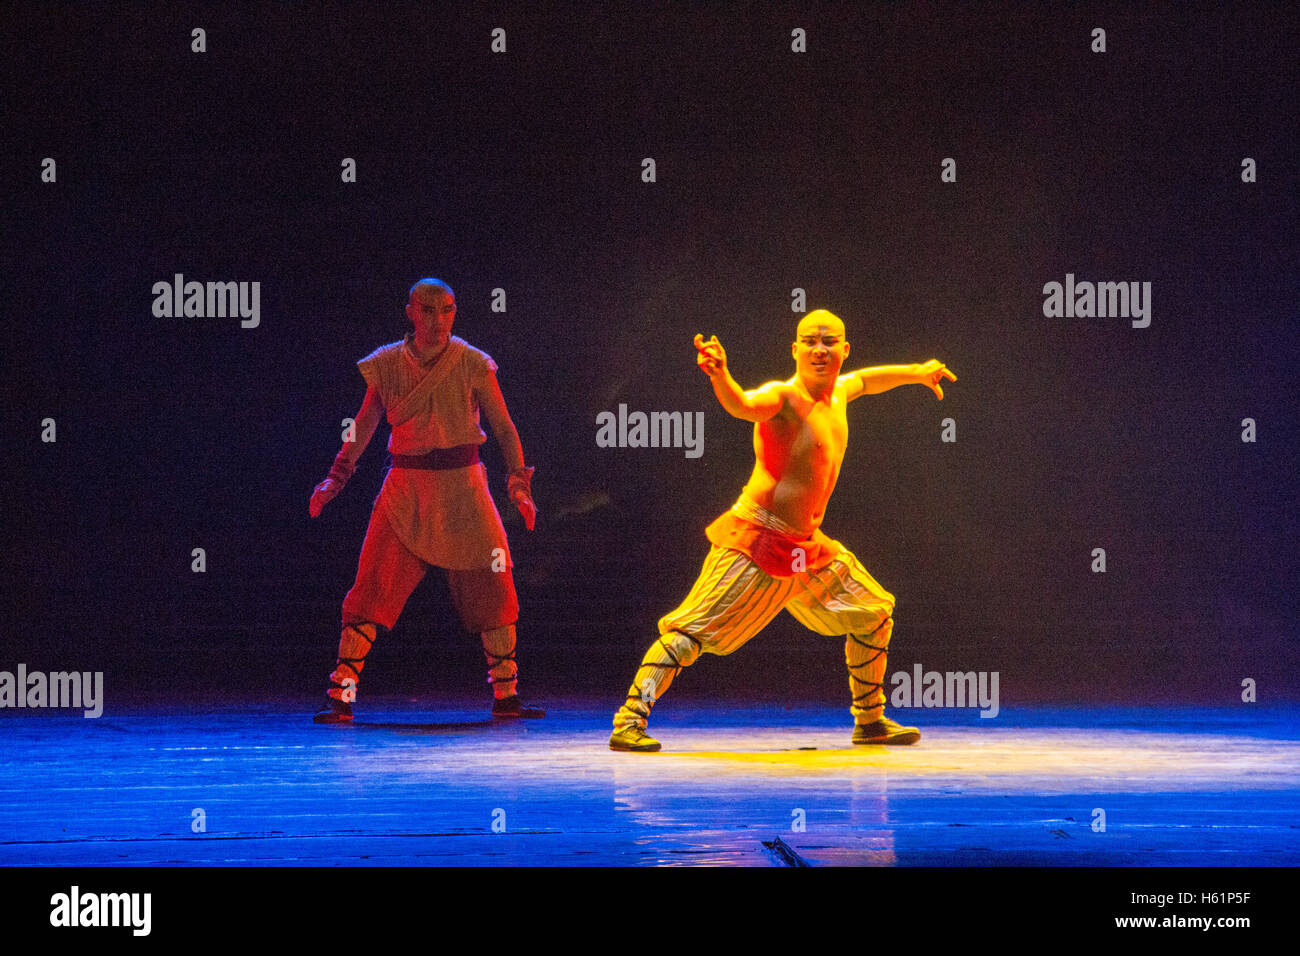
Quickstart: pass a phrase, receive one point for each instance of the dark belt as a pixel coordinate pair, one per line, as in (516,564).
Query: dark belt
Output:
(440,459)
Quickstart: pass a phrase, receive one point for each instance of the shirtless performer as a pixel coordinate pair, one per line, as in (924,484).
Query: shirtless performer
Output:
(768,551)
(434,508)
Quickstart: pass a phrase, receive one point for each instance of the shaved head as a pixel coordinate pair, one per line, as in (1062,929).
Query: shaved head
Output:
(819,348)
(426,286)
(818,318)
(431,307)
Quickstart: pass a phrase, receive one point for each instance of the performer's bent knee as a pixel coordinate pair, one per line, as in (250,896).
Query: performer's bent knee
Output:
(673,649)
(685,648)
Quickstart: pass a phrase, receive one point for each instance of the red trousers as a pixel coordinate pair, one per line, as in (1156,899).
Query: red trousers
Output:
(388,572)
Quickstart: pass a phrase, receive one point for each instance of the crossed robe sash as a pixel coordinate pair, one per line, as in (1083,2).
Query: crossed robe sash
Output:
(412,402)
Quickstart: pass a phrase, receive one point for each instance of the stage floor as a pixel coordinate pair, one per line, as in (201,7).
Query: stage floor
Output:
(418,783)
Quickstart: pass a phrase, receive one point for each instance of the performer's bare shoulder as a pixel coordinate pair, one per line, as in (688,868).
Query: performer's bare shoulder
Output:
(801,430)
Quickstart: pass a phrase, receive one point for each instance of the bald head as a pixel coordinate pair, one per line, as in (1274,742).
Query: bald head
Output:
(818,319)
(431,308)
(426,288)
(819,348)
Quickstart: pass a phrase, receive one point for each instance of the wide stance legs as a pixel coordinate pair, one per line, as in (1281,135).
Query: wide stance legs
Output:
(733,599)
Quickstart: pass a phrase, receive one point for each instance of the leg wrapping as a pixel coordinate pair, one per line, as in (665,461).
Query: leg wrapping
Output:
(866,656)
(354,644)
(503,671)
(666,657)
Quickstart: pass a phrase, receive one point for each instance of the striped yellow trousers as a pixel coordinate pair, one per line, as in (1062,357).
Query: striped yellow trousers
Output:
(733,599)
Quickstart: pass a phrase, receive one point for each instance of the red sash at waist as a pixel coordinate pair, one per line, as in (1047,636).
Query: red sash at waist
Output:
(776,553)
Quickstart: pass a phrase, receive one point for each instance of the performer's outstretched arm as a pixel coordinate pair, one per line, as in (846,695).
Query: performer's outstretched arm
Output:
(873,381)
(493,404)
(757,405)
(367,420)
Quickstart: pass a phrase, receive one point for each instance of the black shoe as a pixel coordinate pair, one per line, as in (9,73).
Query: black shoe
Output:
(335,712)
(514,707)
(885,731)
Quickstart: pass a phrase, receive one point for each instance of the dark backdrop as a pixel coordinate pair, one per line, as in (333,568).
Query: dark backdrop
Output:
(775,170)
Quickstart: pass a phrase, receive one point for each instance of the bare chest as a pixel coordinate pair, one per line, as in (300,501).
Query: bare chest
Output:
(817,432)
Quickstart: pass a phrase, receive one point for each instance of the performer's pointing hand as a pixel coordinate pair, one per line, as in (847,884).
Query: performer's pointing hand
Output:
(712,358)
(931,373)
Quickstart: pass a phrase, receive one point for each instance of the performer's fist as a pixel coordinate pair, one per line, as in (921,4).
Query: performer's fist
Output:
(527,509)
(931,373)
(712,358)
(323,494)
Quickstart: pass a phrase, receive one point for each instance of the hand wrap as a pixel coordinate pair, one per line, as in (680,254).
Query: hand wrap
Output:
(520,484)
(342,469)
